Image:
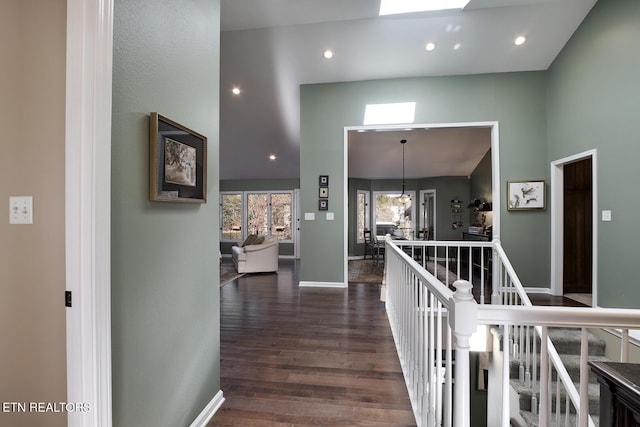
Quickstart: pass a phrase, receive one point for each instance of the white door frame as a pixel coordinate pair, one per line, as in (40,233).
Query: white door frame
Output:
(435,217)
(296,226)
(495,172)
(557,221)
(88,209)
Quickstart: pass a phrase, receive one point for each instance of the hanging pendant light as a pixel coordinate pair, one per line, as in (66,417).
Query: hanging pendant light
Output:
(404,197)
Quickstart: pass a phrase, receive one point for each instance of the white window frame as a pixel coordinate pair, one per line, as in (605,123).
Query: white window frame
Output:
(233,193)
(293,218)
(411,194)
(367,212)
(245,223)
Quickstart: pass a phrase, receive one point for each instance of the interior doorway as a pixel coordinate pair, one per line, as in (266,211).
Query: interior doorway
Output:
(577,223)
(574,227)
(378,165)
(428,214)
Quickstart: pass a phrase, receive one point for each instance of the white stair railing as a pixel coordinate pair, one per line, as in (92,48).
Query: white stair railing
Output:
(429,320)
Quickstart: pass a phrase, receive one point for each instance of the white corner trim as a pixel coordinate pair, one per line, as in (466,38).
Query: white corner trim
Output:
(308,284)
(87,209)
(209,411)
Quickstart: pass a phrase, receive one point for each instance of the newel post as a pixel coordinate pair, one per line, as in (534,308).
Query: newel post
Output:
(462,320)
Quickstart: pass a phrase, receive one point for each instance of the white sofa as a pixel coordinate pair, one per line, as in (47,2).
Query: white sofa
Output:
(256,258)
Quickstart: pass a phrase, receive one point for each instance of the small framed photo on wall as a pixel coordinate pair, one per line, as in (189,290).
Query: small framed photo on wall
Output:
(324,193)
(323,205)
(177,162)
(525,195)
(324,181)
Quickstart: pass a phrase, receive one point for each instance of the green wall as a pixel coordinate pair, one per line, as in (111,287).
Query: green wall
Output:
(593,95)
(165,278)
(516,100)
(259,184)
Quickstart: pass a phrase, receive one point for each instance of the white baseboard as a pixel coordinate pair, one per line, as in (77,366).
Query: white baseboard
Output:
(538,291)
(307,284)
(209,411)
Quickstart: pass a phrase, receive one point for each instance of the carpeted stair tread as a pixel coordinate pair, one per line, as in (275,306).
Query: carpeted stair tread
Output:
(533,421)
(570,361)
(526,393)
(567,341)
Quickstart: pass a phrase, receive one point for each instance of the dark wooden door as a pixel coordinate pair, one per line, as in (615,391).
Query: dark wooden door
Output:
(578,229)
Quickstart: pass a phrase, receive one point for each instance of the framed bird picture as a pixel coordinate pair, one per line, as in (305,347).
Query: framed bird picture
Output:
(525,195)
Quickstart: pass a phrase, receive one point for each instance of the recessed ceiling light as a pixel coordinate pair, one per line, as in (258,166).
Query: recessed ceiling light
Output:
(430,46)
(235,90)
(272,157)
(327,54)
(457,46)
(520,40)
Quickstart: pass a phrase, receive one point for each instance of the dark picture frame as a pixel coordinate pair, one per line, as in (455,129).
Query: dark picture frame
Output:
(324,181)
(525,195)
(323,205)
(323,192)
(177,162)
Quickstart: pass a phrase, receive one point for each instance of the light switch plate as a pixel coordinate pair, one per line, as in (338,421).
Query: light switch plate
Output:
(606,215)
(21,210)
(329,216)
(309,216)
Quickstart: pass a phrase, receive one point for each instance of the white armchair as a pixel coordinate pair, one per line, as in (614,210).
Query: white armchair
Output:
(257,258)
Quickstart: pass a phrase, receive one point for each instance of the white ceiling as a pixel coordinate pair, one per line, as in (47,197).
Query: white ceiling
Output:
(270,47)
(427,152)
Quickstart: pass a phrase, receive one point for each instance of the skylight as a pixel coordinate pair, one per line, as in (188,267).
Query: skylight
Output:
(391,7)
(386,114)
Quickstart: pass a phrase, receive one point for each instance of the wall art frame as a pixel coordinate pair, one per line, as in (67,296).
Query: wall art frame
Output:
(525,195)
(177,162)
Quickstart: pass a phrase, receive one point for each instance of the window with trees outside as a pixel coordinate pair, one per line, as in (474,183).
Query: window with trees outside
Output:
(363,214)
(392,213)
(266,213)
(231,216)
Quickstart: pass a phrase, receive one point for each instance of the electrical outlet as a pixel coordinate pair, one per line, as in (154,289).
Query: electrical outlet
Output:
(20,210)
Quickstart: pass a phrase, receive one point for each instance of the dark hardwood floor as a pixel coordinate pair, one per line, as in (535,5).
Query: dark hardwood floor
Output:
(295,356)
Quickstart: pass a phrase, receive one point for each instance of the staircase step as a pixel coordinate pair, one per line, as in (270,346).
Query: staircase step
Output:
(571,363)
(568,341)
(525,395)
(532,420)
